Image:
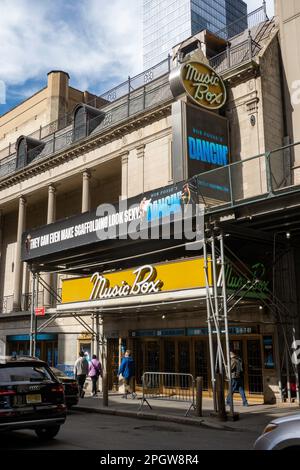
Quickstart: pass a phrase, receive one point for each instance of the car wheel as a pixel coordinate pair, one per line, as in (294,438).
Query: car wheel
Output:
(47,432)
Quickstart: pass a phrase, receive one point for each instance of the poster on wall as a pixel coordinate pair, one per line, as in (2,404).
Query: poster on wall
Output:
(207,143)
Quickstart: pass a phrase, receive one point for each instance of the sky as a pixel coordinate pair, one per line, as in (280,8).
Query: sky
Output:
(98,42)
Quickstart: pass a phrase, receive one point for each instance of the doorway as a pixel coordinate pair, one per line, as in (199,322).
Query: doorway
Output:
(113,363)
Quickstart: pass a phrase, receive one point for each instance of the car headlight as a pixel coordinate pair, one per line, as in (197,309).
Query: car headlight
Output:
(270,427)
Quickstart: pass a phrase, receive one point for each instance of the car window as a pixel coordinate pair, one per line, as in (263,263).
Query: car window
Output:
(58,372)
(24,374)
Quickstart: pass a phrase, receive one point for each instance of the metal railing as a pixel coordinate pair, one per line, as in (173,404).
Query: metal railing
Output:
(235,55)
(7,302)
(244,22)
(143,99)
(125,88)
(275,173)
(221,62)
(168,386)
(133,83)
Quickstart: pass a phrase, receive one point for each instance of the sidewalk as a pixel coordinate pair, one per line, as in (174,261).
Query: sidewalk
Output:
(254,417)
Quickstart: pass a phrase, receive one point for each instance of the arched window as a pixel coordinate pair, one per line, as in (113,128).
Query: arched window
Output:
(21,153)
(86,119)
(27,150)
(80,130)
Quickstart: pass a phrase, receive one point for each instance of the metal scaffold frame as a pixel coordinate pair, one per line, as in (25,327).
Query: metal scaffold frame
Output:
(96,330)
(220,304)
(218,307)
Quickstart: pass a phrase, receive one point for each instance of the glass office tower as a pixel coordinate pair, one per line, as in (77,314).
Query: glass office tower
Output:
(168,22)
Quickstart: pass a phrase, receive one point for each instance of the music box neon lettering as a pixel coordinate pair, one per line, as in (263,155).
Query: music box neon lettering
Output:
(145,282)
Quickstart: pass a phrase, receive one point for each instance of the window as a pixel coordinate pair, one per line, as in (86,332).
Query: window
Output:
(79,123)
(21,153)
(23,374)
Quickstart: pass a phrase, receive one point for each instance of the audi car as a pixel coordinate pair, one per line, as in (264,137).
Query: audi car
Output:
(70,386)
(31,397)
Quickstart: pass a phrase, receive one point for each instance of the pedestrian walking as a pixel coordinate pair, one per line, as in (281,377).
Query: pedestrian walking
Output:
(95,371)
(236,367)
(81,370)
(127,371)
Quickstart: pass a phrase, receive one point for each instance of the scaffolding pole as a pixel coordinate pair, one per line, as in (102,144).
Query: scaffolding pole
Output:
(32,319)
(216,302)
(224,292)
(211,348)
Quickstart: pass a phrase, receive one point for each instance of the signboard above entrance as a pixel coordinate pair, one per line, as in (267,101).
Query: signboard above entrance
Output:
(201,83)
(145,280)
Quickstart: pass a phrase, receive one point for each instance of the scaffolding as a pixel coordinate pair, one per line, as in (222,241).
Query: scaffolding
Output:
(219,305)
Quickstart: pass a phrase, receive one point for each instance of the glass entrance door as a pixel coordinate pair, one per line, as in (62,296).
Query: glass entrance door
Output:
(254,366)
(151,356)
(147,356)
(113,363)
(201,363)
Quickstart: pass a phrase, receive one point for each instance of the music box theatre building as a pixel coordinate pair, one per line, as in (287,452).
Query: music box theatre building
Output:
(212,104)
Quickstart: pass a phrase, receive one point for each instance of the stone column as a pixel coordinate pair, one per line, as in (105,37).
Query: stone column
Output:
(124,188)
(140,153)
(18,268)
(51,212)
(86,197)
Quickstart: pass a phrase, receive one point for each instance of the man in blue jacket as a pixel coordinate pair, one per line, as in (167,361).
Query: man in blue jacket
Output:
(127,371)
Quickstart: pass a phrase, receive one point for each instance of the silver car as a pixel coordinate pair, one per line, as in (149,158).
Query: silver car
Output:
(281,434)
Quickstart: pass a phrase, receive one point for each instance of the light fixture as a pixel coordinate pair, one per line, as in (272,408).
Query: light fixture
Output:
(163,317)
(288,235)
(261,307)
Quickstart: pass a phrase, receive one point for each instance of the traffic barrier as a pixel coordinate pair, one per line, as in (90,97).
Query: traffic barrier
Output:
(168,386)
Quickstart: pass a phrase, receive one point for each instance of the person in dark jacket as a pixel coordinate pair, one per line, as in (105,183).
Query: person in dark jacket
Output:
(236,366)
(126,369)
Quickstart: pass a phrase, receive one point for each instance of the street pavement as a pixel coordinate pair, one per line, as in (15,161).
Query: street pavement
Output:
(101,432)
(121,426)
(254,417)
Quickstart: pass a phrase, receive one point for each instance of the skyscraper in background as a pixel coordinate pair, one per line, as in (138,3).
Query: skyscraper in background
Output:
(168,22)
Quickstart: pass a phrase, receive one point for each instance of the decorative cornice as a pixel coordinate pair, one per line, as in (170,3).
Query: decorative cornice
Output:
(240,73)
(90,143)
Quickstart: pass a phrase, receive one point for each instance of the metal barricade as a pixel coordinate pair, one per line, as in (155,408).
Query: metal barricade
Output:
(168,386)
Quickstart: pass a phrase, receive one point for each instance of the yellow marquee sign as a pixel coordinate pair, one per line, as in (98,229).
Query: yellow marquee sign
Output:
(147,279)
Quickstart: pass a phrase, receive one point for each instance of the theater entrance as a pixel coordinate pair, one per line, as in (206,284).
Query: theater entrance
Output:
(191,356)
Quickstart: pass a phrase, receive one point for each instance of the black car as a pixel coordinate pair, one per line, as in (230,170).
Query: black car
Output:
(31,397)
(70,385)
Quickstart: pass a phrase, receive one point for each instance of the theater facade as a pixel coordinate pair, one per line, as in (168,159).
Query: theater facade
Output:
(76,202)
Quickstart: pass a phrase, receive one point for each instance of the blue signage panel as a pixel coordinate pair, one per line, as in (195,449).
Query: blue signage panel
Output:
(40,337)
(207,150)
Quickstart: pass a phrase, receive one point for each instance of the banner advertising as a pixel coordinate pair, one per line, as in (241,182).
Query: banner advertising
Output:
(207,150)
(127,219)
